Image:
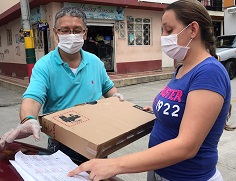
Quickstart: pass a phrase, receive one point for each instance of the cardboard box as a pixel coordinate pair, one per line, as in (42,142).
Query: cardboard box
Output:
(97,130)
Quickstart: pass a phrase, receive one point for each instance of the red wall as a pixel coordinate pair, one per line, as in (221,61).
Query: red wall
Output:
(20,70)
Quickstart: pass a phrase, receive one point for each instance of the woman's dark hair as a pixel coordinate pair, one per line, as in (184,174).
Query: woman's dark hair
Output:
(227,127)
(188,11)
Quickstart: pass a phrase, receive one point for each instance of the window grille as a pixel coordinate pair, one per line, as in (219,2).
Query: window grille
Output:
(9,37)
(122,33)
(139,31)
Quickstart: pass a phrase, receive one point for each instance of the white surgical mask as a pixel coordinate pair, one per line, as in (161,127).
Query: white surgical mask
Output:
(171,48)
(71,43)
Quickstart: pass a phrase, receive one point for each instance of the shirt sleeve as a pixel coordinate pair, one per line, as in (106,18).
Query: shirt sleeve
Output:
(211,77)
(107,83)
(39,82)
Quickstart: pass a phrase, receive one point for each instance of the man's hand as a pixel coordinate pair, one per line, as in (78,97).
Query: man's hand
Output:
(3,138)
(30,127)
(120,96)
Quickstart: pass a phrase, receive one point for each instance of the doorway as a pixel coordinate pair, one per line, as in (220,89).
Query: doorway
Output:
(217,28)
(100,42)
(40,42)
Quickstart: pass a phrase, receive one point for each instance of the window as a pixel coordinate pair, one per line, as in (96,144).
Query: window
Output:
(206,2)
(139,30)
(122,33)
(9,37)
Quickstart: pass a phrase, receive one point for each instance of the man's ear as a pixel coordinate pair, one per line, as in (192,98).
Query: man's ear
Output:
(194,28)
(55,34)
(86,33)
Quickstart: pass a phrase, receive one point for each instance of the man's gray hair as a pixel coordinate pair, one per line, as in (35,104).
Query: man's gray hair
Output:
(71,11)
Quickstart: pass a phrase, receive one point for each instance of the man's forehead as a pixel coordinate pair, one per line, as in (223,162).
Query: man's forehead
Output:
(70,21)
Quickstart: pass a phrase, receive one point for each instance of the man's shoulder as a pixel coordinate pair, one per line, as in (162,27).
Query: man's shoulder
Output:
(90,57)
(47,58)
(88,54)
(47,61)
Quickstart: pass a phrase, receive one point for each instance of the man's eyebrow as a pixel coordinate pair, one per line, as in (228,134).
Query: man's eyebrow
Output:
(164,24)
(64,27)
(73,27)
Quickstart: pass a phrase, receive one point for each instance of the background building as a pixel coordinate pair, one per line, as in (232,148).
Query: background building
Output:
(128,31)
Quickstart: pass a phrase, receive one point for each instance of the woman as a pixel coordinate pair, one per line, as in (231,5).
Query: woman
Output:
(191,110)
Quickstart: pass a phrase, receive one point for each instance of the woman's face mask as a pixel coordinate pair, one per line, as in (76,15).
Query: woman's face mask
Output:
(71,43)
(171,48)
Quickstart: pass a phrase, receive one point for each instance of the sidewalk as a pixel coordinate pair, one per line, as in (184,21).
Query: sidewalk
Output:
(120,80)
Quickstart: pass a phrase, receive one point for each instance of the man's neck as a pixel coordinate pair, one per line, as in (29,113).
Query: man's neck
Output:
(72,59)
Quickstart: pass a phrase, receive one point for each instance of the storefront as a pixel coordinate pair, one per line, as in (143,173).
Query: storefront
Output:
(124,35)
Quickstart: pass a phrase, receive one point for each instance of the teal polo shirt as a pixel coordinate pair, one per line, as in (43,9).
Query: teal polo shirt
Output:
(56,87)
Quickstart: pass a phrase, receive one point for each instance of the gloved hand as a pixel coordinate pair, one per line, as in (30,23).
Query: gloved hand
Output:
(120,96)
(30,127)
(3,138)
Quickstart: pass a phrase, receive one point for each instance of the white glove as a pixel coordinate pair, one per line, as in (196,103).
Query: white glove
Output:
(3,138)
(120,96)
(30,127)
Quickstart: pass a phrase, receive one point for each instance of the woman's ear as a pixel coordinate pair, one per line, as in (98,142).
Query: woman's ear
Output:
(194,29)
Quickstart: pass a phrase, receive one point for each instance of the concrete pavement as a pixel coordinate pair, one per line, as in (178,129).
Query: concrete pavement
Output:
(141,94)
(12,88)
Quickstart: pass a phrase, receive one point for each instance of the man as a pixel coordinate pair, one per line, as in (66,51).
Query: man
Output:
(61,79)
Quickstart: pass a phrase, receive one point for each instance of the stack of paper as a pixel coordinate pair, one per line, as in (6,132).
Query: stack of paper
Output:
(46,167)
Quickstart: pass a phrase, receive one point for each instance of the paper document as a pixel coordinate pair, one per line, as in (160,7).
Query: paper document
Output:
(46,167)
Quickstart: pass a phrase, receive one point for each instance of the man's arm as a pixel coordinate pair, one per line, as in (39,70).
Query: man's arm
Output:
(29,107)
(29,126)
(113,92)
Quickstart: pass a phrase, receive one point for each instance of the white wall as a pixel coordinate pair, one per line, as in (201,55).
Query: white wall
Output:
(14,53)
(6,4)
(126,53)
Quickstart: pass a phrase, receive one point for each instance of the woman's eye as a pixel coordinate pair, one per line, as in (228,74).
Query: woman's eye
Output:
(169,32)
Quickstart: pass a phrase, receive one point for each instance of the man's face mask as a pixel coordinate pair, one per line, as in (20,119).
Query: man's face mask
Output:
(71,43)
(171,48)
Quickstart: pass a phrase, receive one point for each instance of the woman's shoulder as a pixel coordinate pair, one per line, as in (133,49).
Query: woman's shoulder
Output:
(211,64)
